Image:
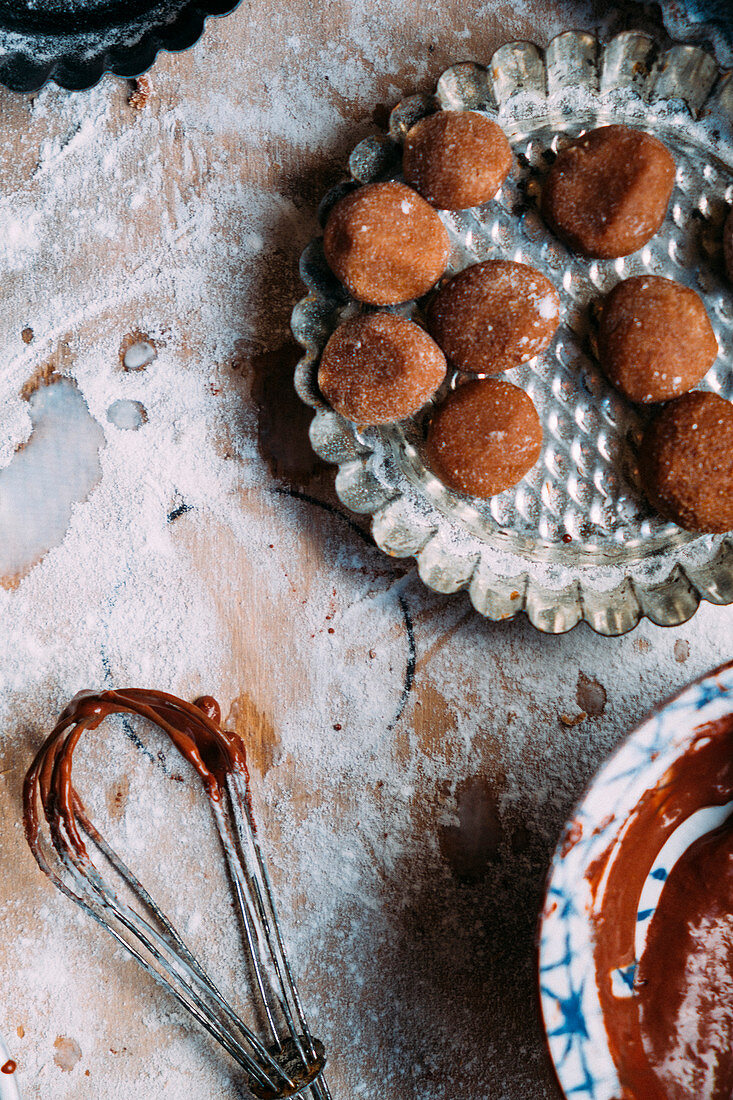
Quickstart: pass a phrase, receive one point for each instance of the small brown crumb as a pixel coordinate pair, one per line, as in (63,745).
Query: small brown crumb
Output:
(337,726)
(20,1031)
(140,93)
(68,1053)
(27,335)
(590,696)
(117,798)
(331,630)
(137,351)
(569,720)
(567,537)
(45,375)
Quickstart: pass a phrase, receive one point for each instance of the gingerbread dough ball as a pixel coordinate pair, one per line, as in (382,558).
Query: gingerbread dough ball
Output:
(655,340)
(385,243)
(686,462)
(607,193)
(484,438)
(728,244)
(456,159)
(379,367)
(494,315)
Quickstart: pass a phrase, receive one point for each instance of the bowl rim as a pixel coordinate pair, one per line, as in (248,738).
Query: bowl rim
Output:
(606,766)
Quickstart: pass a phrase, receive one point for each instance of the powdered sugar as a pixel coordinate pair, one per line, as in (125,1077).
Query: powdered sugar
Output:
(547,308)
(18,233)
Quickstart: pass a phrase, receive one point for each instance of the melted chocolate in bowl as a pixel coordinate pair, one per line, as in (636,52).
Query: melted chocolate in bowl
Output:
(636,934)
(671,1038)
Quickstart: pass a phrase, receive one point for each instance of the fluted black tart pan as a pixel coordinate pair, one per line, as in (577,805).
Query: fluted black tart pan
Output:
(74,42)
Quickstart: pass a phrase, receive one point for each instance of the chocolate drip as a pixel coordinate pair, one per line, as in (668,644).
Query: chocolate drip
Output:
(194,729)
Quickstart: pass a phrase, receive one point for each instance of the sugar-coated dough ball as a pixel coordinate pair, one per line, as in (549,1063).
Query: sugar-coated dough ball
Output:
(494,315)
(607,193)
(379,367)
(655,340)
(686,462)
(484,437)
(385,243)
(728,244)
(456,159)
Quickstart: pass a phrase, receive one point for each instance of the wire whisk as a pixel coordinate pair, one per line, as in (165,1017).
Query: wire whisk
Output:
(279,1054)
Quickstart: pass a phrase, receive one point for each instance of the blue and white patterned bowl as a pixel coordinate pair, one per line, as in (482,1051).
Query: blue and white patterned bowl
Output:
(569,997)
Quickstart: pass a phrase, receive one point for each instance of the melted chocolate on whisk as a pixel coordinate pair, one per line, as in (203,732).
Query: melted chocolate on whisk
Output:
(193,728)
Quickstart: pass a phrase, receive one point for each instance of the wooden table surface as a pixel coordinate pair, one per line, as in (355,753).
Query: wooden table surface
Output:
(413,764)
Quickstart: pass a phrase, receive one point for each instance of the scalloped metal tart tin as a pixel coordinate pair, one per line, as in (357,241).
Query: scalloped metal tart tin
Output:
(74,42)
(575,539)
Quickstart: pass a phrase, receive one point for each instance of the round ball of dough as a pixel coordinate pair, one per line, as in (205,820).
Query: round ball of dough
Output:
(686,462)
(379,367)
(385,243)
(654,339)
(728,244)
(456,159)
(607,193)
(494,315)
(484,438)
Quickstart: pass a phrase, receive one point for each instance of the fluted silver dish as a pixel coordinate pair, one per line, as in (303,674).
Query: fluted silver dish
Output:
(575,539)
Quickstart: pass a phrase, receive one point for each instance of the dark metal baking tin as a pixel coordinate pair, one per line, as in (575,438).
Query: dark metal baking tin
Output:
(74,42)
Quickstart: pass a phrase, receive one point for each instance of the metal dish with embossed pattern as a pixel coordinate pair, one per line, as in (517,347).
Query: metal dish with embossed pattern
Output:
(575,539)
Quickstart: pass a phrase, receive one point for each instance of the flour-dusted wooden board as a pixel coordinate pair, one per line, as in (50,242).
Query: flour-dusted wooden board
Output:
(412,764)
